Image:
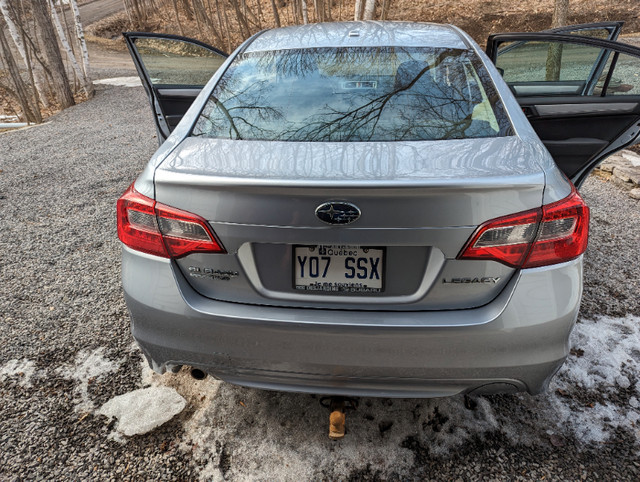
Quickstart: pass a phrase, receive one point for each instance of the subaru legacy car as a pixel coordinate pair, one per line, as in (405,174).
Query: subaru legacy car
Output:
(370,208)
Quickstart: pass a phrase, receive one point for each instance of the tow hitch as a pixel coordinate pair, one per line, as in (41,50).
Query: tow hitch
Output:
(338,406)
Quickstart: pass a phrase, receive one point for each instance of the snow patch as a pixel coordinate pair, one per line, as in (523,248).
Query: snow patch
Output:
(242,433)
(88,367)
(609,353)
(142,410)
(632,157)
(120,81)
(605,359)
(24,369)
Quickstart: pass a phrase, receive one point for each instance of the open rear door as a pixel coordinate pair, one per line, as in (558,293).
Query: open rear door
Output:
(173,70)
(581,94)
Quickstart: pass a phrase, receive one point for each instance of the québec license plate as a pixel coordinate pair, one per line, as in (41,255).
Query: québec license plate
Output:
(338,268)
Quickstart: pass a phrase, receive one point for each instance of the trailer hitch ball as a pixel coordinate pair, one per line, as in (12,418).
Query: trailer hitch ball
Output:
(337,420)
(338,406)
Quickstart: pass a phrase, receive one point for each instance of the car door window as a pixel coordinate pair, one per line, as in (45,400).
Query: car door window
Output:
(549,68)
(177,62)
(173,71)
(624,79)
(542,68)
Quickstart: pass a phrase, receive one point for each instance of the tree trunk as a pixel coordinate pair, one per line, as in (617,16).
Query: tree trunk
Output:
(21,91)
(242,21)
(77,77)
(369,9)
(201,11)
(197,16)
(175,9)
(305,12)
(359,10)
(554,53)
(276,17)
(221,26)
(226,23)
(13,29)
(15,33)
(249,15)
(384,14)
(187,9)
(260,14)
(83,45)
(560,13)
(65,44)
(52,54)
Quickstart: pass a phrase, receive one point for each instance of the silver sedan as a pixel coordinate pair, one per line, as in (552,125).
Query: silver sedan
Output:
(370,208)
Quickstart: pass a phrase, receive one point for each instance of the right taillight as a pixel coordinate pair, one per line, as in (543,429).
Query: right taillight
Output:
(556,233)
(154,228)
(563,233)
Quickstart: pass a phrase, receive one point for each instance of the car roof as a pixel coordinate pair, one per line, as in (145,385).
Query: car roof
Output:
(359,34)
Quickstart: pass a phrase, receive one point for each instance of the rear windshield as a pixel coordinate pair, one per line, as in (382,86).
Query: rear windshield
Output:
(354,94)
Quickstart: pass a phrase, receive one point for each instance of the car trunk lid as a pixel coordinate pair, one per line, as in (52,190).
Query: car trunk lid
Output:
(419,203)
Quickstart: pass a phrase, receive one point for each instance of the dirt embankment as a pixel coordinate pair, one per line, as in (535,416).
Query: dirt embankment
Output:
(478,17)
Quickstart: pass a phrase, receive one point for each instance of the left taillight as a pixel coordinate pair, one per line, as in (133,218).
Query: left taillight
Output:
(555,233)
(154,228)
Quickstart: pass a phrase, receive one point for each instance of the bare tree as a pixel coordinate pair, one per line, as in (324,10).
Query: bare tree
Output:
(276,16)
(386,6)
(554,53)
(175,9)
(57,71)
(83,44)
(369,9)
(30,109)
(560,13)
(359,10)
(86,83)
(16,33)
(242,20)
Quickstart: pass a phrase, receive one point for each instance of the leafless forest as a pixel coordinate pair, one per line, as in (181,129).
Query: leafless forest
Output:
(44,60)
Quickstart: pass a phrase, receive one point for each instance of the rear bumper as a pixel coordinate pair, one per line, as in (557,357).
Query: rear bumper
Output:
(516,342)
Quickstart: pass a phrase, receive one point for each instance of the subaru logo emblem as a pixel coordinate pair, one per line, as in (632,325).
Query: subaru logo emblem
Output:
(336,212)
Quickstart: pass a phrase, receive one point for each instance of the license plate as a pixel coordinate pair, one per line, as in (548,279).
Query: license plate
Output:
(338,269)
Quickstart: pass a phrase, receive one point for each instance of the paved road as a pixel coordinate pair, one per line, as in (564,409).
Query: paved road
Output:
(98,9)
(102,58)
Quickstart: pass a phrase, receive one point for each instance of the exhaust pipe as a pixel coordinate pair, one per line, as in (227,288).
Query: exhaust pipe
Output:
(198,374)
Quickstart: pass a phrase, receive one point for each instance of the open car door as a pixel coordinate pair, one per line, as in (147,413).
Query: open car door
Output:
(580,93)
(173,71)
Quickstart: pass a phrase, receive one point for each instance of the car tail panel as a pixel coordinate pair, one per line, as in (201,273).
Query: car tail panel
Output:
(397,245)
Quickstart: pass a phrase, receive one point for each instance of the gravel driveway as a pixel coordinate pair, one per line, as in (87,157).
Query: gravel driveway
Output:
(65,350)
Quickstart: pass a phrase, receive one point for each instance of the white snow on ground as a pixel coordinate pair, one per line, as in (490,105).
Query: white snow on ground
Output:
(24,369)
(610,365)
(241,433)
(143,410)
(631,157)
(120,81)
(88,366)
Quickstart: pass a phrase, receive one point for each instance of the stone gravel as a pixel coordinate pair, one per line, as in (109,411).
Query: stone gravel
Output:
(61,301)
